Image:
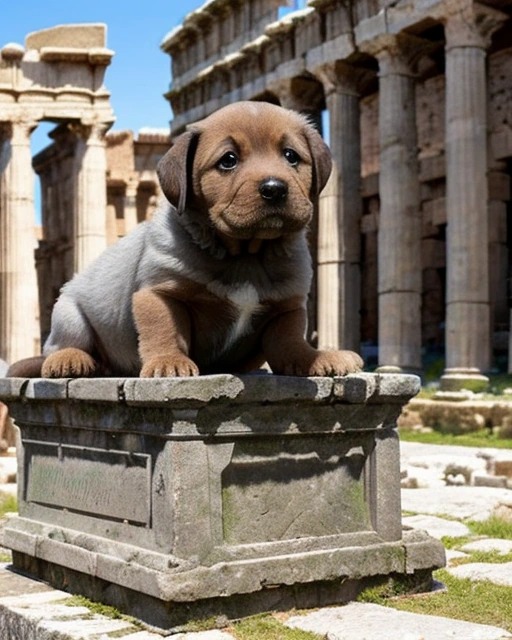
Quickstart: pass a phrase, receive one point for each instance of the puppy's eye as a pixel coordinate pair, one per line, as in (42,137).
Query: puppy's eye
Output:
(228,161)
(292,157)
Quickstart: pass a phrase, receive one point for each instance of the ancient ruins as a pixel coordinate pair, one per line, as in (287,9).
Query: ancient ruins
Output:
(412,247)
(412,242)
(57,77)
(132,193)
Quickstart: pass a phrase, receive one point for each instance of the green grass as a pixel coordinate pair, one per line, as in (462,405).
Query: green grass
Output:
(493,527)
(267,627)
(482,438)
(479,602)
(8,503)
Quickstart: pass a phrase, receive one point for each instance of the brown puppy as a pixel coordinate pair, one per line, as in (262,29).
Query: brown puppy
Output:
(218,281)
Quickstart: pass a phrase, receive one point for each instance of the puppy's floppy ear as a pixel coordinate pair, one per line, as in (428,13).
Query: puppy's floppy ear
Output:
(175,169)
(322,159)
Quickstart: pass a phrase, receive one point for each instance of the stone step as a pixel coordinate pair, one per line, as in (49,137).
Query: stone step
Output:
(30,608)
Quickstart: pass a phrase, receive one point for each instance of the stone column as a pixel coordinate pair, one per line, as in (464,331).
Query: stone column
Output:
(19,332)
(90,196)
(399,252)
(305,96)
(339,233)
(468,333)
(130,206)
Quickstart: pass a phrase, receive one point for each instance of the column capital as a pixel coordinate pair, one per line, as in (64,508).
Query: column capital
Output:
(18,131)
(90,131)
(469,24)
(297,93)
(343,77)
(398,54)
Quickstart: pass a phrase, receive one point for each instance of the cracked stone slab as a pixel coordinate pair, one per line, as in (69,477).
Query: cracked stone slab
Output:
(489,544)
(474,503)
(436,527)
(497,573)
(382,623)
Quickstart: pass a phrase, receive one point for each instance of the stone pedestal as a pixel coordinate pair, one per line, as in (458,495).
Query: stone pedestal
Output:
(180,498)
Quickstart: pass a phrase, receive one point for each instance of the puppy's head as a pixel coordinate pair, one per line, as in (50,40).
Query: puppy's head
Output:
(254,167)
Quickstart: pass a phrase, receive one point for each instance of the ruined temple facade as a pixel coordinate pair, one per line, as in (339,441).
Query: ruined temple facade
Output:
(57,76)
(413,244)
(132,194)
(96,184)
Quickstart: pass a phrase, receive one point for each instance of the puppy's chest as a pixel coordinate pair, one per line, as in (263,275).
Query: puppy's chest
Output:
(242,304)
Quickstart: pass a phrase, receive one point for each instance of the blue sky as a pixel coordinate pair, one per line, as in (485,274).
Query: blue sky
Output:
(139,73)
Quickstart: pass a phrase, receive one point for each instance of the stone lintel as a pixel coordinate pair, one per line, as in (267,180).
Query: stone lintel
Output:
(339,48)
(92,55)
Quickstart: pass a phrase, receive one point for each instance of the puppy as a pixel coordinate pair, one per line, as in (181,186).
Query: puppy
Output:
(218,280)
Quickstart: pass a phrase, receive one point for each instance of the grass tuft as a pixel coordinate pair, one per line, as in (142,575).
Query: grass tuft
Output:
(482,438)
(480,602)
(8,504)
(267,627)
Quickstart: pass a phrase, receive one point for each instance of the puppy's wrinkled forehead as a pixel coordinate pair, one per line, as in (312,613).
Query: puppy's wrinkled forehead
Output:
(258,124)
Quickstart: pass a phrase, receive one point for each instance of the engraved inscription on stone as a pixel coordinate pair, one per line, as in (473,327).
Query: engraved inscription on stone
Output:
(317,488)
(108,484)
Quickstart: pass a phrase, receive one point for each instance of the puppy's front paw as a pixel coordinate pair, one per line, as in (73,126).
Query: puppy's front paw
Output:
(335,363)
(69,363)
(169,366)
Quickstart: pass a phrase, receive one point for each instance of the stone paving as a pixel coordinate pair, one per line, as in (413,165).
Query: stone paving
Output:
(31,610)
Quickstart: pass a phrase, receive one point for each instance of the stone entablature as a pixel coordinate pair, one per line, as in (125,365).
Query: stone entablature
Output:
(217,29)
(371,61)
(182,498)
(59,74)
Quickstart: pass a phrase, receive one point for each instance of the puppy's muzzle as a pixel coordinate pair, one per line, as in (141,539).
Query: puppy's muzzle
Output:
(273,191)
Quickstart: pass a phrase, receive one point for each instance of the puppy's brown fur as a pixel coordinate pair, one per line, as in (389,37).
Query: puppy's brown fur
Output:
(218,281)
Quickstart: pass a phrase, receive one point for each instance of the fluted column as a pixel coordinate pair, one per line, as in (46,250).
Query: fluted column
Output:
(468,332)
(18,284)
(339,234)
(399,253)
(90,194)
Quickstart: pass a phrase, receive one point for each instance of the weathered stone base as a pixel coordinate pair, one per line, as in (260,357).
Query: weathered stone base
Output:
(458,379)
(223,495)
(169,614)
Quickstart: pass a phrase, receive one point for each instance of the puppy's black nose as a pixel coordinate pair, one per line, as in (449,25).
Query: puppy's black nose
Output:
(273,190)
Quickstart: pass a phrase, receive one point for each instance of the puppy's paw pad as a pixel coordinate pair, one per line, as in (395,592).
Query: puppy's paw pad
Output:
(335,363)
(169,366)
(68,363)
